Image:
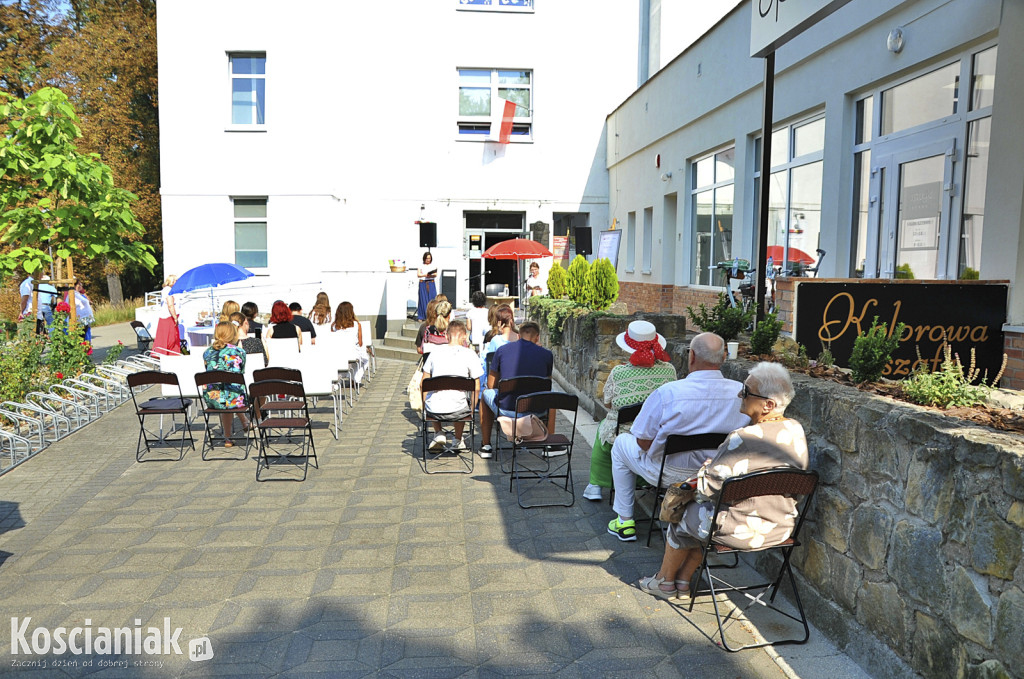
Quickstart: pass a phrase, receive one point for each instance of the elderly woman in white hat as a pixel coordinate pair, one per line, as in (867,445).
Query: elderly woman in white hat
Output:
(647,369)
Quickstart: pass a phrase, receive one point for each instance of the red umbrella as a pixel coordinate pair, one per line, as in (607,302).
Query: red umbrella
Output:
(795,255)
(518,249)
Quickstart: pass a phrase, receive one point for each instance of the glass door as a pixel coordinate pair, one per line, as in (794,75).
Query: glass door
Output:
(912,200)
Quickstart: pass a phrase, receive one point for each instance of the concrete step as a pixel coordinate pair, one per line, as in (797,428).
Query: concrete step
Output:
(402,354)
(403,341)
(410,330)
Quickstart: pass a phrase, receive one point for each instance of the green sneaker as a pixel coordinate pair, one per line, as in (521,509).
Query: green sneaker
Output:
(623,530)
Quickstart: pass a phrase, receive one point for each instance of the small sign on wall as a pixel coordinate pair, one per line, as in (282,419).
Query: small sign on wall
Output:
(966,316)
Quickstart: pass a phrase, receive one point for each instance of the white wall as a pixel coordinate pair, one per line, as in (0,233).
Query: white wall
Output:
(361,109)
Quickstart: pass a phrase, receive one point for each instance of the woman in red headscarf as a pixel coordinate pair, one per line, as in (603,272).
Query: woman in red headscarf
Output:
(632,382)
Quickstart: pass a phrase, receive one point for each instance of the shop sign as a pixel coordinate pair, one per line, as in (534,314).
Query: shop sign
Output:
(560,248)
(966,316)
(774,22)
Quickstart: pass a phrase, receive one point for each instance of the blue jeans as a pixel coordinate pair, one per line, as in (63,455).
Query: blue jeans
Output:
(490,397)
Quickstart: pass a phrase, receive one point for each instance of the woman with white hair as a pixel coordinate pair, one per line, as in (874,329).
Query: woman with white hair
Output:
(771,440)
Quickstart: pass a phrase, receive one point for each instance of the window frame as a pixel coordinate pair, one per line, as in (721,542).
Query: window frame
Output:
(494,6)
(956,127)
(236,220)
(694,190)
(791,163)
(522,125)
(232,126)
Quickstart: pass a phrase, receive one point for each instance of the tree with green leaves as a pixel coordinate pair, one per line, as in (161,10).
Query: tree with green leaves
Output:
(577,280)
(52,196)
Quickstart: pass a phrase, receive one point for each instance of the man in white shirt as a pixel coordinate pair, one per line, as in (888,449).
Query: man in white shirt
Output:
(702,402)
(454,359)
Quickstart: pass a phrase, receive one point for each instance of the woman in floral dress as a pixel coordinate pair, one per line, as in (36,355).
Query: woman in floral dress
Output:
(627,384)
(771,440)
(224,354)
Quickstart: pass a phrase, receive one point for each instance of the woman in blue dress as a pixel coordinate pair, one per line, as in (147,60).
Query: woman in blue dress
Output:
(426,274)
(224,354)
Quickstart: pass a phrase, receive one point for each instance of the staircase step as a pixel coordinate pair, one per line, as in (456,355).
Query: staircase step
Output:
(409,355)
(393,339)
(410,330)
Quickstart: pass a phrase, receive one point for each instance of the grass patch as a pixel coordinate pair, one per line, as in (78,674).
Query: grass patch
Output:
(109,314)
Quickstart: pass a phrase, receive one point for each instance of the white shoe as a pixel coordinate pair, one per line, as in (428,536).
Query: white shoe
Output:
(555,452)
(485,452)
(462,445)
(439,442)
(593,492)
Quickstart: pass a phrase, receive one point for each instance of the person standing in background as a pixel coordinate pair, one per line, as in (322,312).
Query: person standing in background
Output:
(427,291)
(167,339)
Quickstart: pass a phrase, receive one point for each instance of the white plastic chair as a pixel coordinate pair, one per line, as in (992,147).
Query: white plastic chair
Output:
(282,352)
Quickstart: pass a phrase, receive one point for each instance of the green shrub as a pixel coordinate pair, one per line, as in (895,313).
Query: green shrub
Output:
(872,350)
(825,358)
(67,352)
(555,312)
(949,386)
(19,363)
(903,271)
(795,356)
(577,280)
(602,285)
(970,274)
(722,319)
(557,282)
(765,334)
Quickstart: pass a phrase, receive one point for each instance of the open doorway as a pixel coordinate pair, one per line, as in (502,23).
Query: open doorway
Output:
(488,229)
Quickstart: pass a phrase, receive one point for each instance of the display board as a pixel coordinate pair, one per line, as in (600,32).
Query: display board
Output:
(967,316)
(608,248)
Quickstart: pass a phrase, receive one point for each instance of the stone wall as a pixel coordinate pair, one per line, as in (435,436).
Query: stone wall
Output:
(912,560)
(664,299)
(917,536)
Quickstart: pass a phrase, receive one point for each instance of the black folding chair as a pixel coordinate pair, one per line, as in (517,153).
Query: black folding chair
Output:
(543,460)
(627,415)
(282,419)
(515,385)
(143,339)
(675,445)
(172,405)
(203,381)
(463,455)
(785,481)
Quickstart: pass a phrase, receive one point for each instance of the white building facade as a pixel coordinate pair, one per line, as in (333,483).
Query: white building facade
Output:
(896,149)
(305,143)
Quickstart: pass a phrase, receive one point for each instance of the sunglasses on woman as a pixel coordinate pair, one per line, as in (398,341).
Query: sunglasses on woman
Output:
(746,392)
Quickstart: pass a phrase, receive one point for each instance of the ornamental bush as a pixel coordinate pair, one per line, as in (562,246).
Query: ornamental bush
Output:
(68,352)
(577,280)
(557,282)
(723,319)
(765,334)
(602,284)
(872,350)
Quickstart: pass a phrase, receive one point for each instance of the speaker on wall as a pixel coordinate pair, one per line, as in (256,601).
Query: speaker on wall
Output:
(584,241)
(428,234)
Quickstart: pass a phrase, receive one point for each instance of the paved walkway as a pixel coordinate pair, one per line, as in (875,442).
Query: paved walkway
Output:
(368,568)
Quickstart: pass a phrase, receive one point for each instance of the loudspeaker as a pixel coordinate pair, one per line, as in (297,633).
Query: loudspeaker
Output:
(428,234)
(584,241)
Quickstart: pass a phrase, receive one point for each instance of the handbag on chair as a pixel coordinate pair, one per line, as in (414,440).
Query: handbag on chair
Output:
(527,428)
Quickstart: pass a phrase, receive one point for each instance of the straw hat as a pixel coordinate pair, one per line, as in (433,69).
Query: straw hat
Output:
(639,331)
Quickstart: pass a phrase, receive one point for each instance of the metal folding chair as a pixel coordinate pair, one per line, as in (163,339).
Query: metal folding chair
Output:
(515,385)
(786,481)
(142,337)
(543,460)
(203,381)
(283,422)
(159,407)
(674,445)
(463,455)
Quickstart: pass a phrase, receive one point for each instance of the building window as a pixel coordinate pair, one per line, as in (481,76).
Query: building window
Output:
(248,88)
(496,5)
(648,252)
(481,96)
(920,164)
(794,193)
(630,242)
(250,232)
(712,191)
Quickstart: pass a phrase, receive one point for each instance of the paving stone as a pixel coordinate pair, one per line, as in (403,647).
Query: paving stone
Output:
(368,568)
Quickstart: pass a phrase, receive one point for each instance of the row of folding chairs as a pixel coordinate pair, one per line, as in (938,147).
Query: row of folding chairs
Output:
(533,466)
(276,408)
(42,417)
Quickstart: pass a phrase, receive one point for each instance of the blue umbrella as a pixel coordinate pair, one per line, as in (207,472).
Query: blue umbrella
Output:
(209,276)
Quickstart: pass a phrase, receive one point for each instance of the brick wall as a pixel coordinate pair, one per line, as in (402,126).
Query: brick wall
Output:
(659,298)
(1013,345)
